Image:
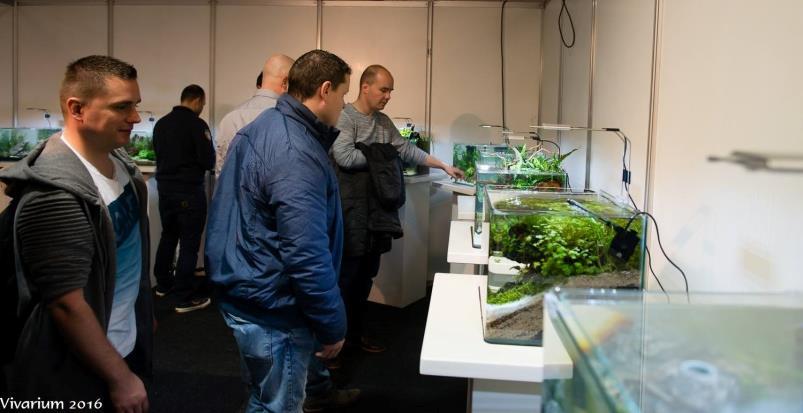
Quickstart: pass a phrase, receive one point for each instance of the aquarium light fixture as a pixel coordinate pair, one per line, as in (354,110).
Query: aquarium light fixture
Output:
(617,131)
(46,115)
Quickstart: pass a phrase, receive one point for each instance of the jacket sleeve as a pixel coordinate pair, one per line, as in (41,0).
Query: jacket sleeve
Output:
(299,194)
(56,244)
(345,153)
(225,133)
(204,149)
(407,151)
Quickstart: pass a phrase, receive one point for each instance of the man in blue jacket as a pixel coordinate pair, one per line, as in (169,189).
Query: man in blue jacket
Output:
(275,241)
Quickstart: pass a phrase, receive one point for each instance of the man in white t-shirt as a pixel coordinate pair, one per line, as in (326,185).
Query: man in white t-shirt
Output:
(82,237)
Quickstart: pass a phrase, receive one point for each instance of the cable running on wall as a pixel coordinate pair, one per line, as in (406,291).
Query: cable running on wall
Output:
(571,24)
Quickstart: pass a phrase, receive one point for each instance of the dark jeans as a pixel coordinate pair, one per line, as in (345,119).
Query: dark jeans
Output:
(356,279)
(183,218)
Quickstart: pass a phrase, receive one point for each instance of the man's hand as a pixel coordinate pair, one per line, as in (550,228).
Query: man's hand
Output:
(330,350)
(453,172)
(128,394)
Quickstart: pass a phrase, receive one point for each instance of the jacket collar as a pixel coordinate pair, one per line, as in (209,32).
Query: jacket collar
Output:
(185,109)
(323,133)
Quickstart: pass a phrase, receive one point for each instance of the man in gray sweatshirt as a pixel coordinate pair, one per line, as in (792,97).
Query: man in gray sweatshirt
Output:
(363,122)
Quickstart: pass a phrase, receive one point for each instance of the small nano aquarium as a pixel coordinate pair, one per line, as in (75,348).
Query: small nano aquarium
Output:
(540,240)
(16,143)
(466,155)
(140,148)
(518,168)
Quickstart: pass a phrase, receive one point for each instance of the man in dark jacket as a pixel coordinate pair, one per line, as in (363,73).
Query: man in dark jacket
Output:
(363,122)
(184,153)
(275,242)
(82,237)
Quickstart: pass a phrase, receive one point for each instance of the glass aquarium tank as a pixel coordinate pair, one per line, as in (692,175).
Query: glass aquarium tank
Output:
(16,143)
(421,141)
(466,155)
(518,168)
(540,240)
(636,352)
(140,148)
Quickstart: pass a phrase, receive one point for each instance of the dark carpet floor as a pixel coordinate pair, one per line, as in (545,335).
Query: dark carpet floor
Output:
(197,365)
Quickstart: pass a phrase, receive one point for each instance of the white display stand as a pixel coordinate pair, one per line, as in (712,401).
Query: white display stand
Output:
(465,208)
(502,378)
(460,195)
(402,277)
(461,255)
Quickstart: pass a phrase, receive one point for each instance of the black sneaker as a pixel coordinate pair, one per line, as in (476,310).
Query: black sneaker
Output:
(161,290)
(334,399)
(370,346)
(193,304)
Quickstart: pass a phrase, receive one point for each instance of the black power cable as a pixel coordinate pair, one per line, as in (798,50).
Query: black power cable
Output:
(660,245)
(571,24)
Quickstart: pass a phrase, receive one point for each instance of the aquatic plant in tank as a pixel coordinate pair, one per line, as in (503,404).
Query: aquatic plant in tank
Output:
(540,240)
(466,155)
(519,168)
(140,148)
(16,143)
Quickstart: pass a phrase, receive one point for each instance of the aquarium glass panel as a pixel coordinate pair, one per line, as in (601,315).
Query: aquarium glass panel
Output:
(466,155)
(16,143)
(654,352)
(140,148)
(539,240)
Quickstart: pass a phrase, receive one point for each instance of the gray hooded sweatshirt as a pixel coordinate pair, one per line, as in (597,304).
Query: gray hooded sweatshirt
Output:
(66,241)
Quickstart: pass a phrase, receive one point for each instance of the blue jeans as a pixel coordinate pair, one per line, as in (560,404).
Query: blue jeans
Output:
(278,365)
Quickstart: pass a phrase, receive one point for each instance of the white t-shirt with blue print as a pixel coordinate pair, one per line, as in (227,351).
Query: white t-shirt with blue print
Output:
(121,200)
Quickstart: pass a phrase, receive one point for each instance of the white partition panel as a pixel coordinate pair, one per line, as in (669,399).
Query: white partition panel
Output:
(621,93)
(730,79)
(49,40)
(575,78)
(249,34)
(6,81)
(169,46)
(466,86)
(394,36)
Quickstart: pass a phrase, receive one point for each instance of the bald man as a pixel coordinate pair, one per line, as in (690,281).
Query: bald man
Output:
(363,122)
(274,84)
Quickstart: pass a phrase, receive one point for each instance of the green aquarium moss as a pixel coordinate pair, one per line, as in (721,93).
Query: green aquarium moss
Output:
(553,242)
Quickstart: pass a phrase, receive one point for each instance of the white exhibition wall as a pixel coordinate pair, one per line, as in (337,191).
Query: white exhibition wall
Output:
(723,88)
(719,88)
(169,43)
(6,68)
(48,41)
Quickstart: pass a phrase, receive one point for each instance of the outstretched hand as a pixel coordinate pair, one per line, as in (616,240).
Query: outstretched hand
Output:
(454,172)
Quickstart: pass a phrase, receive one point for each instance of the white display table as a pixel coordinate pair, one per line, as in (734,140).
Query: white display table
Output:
(402,277)
(465,208)
(503,378)
(461,254)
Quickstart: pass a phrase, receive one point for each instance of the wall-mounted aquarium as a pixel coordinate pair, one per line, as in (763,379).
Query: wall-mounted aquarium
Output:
(636,352)
(540,240)
(140,148)
(16,143)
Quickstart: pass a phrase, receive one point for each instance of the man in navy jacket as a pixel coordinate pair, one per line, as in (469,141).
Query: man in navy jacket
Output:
(275,241)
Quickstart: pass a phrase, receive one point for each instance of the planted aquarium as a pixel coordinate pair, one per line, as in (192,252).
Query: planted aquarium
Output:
(422,142)
(466,155)
(540,240)
(636,352)
(517,168)
(140,148)
(16,143)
